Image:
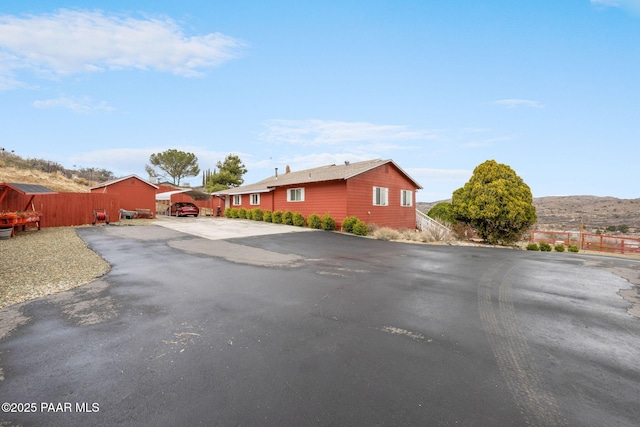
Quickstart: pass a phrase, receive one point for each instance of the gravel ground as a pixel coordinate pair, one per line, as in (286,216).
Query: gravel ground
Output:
(39,263)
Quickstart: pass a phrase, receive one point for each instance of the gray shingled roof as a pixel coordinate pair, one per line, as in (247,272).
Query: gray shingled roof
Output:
(319,174)
(30,188)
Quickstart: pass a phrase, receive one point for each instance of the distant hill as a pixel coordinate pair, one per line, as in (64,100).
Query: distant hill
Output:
(566,212)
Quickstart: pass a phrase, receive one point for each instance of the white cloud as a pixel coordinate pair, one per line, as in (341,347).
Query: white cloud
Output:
(606,3)
(513,103)
(321,132)
(631,5)
(84,105)
(68,42)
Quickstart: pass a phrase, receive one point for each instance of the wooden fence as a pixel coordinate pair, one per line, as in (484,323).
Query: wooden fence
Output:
(589,241)
(64,209)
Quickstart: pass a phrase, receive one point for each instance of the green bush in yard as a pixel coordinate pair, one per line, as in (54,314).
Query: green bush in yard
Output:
(276,217)
(249,213)
(287,218)
(242,213)
(545,247)
(360,228)
(234,213)
(348,223)
(533,247)
(559,247)
(298,219)
(257,214)
(573,248)
(315,221)
(328,223)
(267,216)
(227,212)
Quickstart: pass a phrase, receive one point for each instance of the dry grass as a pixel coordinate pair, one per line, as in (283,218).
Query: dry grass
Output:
(54,181)
(427,236)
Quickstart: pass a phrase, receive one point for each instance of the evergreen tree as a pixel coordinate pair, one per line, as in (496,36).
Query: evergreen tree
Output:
(176,164)
(496,202)
(229,174)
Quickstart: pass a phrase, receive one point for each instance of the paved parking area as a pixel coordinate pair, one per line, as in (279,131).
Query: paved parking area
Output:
(339,331)
(214,228)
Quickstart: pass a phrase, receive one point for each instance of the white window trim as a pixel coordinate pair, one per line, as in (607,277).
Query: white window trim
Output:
(409,193)
(384,196)
(237,200)
(255,196)
(289,192)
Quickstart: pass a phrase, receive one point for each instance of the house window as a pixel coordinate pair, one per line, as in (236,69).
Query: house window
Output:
(295,195)
(255,199)
(406,198)
(380,196)
(237,200)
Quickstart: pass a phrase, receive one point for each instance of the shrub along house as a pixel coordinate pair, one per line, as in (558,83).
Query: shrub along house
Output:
(375,191)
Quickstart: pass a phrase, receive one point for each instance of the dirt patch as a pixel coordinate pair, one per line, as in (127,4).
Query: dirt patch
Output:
(85,306)
(633,296)
(10,319)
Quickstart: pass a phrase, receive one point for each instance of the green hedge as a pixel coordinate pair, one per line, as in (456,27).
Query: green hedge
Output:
(360,228)
(315,221)
(287,218)
(348,223)
(257,214)
(545,247)
(298,219)
(328,223)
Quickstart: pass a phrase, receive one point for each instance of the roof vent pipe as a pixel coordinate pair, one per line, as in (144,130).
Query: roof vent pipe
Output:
(276,173)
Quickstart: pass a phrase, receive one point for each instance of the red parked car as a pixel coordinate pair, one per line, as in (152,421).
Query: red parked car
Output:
(184,209)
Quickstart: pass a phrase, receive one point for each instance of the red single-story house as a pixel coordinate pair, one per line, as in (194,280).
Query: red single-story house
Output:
(135,192)
(375,191)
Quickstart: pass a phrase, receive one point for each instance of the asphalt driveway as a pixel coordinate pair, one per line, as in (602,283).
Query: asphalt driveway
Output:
(313,327)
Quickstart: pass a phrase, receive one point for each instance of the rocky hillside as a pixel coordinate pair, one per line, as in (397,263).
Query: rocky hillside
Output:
(566,212)
(54,181)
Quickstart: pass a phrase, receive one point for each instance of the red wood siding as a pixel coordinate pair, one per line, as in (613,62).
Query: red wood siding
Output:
(65,209)
(360,199)
(266,202)
(319,198)
(134,194)
(352,197)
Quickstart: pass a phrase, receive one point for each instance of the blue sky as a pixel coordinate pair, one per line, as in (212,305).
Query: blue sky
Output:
(551,88)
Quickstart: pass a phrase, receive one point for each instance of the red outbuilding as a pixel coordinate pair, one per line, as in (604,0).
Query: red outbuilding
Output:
(135,193)
(375,191)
